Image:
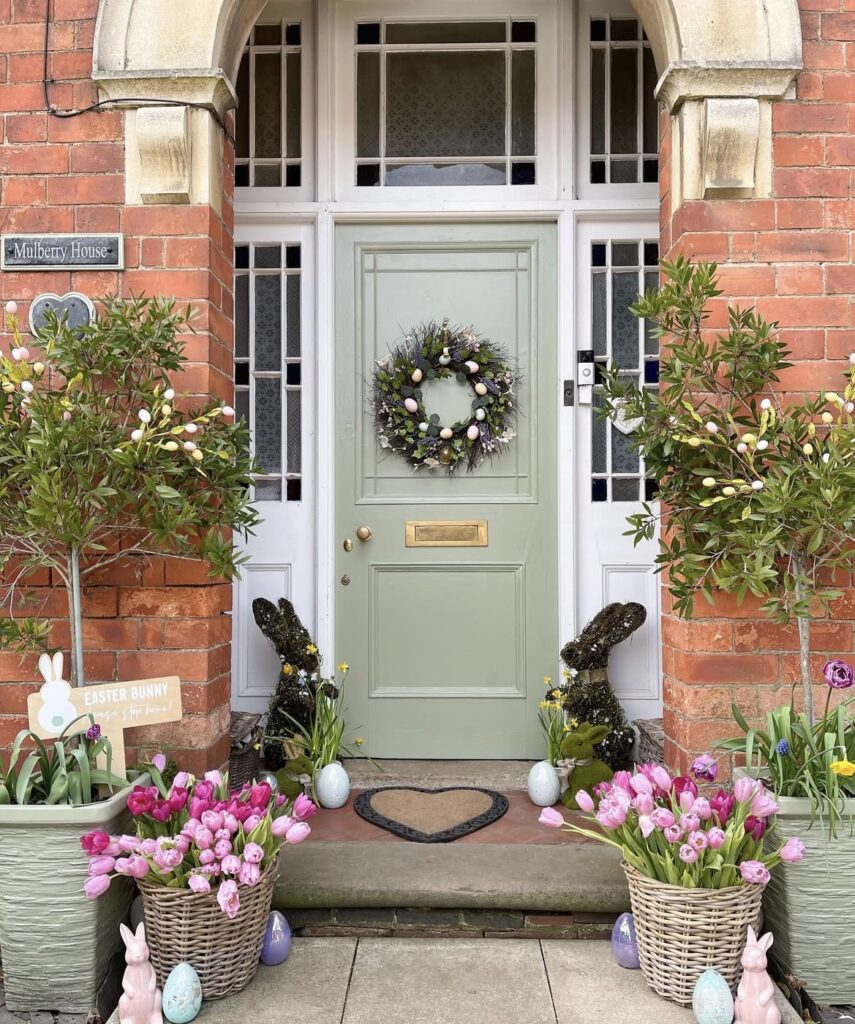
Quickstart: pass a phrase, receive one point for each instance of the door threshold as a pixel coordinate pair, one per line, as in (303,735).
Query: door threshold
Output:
(505,776)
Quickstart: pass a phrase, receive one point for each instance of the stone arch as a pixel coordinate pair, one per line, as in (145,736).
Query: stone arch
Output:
(721,64)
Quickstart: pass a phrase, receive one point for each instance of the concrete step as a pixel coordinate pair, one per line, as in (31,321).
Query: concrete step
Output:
(504,776)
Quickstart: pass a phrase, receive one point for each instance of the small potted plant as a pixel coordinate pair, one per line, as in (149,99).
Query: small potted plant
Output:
(205,860)
(544,784)
(695,866)
(810,768)
(48,793)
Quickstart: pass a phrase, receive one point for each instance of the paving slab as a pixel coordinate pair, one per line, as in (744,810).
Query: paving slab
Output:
(588,985)
(448,981)
(501,775)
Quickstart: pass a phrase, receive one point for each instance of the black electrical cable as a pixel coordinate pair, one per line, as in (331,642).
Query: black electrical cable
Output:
(133,101)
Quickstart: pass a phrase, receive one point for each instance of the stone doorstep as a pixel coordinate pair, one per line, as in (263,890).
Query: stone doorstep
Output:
(575,878)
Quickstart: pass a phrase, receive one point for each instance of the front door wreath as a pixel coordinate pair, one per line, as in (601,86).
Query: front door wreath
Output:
(431,352)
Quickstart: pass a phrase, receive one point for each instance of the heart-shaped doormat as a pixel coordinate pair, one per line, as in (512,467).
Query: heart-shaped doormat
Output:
(430,815)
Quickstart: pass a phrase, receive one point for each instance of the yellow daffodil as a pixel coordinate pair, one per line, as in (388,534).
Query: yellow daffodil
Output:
(311,649)
(845,768)
(359,741)
(574,723)
(555,695)
(547,680)
(287,670)
(344,667)
(544,704)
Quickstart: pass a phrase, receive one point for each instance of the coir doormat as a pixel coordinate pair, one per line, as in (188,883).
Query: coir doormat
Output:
(430,815)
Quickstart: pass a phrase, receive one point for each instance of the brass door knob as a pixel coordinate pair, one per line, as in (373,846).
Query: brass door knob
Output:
(364,533)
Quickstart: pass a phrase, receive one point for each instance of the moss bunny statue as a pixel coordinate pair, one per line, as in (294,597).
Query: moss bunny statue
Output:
(577,759)
(295,776)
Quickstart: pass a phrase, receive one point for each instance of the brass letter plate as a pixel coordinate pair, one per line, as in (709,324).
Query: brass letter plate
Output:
(446,533)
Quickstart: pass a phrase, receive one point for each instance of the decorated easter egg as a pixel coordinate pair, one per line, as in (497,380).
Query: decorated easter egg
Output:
(712,1001)
(480,388)
(182,994)
(445,358)
(472,366)
(423,426)
(543,785)
(411,405)
(480,415)
(270,779)
(416,376)
(446,433)
(277,940)
(472,433)
(624,944)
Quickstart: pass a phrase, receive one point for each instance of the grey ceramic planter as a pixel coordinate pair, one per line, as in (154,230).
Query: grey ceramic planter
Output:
(56,944)
(809,906)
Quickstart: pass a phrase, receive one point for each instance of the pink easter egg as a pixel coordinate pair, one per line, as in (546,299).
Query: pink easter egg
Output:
(411,405)
(472,433)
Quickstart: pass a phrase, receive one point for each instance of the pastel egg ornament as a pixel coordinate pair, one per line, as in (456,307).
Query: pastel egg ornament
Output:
(446,433)
(473,432)
(543,784)
(423,426)
(182,994)
(416,376)
(624,942)
(712,1001)
(472,366)
(276,944)
(411,405)
(445,358)
(481,388)
(480,415)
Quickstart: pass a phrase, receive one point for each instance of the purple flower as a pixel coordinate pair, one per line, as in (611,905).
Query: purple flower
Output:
(93,732)
(673,833)
(744,789)
(159,761)
(722,805)
(662,818)
(839,674)
(704,768)
(755,827)
(698,840)
(763,806)
(683,784)
(793,850)
(688,854)
(754,871)
(716,838)
(782,747)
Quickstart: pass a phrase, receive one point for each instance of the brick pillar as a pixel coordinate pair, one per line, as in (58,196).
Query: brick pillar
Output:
(790,255)
(65,175)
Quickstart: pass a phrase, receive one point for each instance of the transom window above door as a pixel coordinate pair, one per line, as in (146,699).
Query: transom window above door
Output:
(446,103)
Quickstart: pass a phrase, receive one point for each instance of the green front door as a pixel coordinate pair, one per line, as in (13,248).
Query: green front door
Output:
(448,646)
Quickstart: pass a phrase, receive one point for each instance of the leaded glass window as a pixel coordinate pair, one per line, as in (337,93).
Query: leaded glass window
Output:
(619,271)
(268,121)
(624,130)
(269,365)
(445,103)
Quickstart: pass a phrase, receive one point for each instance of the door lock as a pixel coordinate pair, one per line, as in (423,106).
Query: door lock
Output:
(345,581)
(348,545)
(365,533)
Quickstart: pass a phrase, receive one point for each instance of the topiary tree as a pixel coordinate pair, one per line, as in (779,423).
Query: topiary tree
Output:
(100,461)
(757,489)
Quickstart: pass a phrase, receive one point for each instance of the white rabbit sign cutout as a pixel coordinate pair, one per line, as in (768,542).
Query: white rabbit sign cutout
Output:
(114,706)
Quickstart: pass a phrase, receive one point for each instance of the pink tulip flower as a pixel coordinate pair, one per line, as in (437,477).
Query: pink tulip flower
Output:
(198,805)
(688,854)
(698,840)
(702,808)
(673,833)
(744,789)
(95,885)
(690,822)
(251,823)
(584,802)
(161,811)
(180,781)
(662,817)
(623,780)
(297,833)
(214,777)
(95,842)
(133,866)
(281,825)
(260,794)
(228,898)
(203,838)
(644,803)
(159,761)
(551,818)
(304,808)
(249,873)
(683,784)
(716,838)
(755,827)
(148,847)
(207,857)
(705,768)
(129,844)
(212,820)
(101,865)
(763,806)
(662,778)
(253,853)
(792,851)
(177,799)
(646,825)
(230,823)
(641,784)
(198,883)
(222,848)
(231,864)
(754,872)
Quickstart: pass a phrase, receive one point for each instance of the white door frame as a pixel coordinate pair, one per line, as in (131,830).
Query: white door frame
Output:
(323,216)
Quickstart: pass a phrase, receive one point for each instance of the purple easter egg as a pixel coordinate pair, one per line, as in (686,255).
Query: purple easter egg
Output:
(277,940)
(624,943)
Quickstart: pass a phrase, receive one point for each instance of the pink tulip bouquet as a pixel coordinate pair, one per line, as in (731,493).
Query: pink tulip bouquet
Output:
(197,834)
(670,833)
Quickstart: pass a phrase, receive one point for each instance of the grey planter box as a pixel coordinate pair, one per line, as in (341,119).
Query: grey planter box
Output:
(55,943)
(809,906)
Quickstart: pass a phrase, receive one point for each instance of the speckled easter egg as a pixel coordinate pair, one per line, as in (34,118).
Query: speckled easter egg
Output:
(472,433)
(624,943)
(416,376)
(712,1001)
(411,405)
(182,995)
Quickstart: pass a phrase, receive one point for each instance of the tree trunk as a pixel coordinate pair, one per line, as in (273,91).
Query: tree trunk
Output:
(804,641)
(75,619)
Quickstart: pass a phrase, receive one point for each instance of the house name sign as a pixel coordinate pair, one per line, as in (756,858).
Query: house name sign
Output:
(62,252)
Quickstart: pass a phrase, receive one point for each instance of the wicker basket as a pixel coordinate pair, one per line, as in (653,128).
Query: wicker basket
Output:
(244,756)
(683,932)
(184,926)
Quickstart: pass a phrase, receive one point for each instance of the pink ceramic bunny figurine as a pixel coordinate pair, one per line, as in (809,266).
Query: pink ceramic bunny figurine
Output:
(755,997)
(140,1003)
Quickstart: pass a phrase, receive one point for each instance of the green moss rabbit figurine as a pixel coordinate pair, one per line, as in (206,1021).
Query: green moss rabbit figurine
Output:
(577,754)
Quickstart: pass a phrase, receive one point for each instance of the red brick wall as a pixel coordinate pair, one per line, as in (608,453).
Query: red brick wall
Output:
(63,175)
(792,256)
